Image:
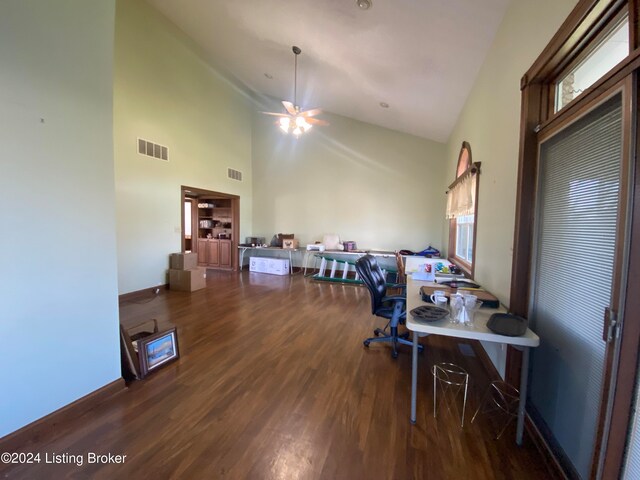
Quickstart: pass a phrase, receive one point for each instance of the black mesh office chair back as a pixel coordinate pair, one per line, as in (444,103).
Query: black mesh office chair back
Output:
(372,276)
(391,307)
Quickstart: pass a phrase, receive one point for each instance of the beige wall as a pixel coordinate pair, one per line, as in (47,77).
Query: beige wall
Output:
(165,92)
(380,188)
(59,326)
(490,122)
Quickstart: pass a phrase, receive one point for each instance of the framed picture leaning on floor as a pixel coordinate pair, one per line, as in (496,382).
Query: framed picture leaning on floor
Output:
(157,350)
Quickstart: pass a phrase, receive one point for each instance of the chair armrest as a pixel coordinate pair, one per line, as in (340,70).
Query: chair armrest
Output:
(394,298)
(402,286)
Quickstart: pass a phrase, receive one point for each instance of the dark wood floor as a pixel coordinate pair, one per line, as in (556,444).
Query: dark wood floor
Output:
(274,383)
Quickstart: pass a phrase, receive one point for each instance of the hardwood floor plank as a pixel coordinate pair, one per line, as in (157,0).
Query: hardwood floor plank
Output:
(274,383)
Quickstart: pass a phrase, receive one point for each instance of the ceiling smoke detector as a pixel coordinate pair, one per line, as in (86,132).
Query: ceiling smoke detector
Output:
(363,4)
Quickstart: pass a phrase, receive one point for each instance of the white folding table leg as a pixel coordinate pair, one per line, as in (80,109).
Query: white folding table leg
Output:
(414,376)
(242,250)
(524,377)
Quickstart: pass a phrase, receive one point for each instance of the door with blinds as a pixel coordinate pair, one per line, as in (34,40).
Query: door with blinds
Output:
(574,264)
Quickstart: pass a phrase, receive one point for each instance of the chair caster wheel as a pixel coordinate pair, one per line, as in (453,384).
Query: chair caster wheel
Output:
(376,333)
(394,354)
(366,343)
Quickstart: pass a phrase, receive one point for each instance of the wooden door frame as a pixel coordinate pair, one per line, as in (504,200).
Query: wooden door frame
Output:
(624,89)
(587,19)
(624,389)
(194,220)
(235,212)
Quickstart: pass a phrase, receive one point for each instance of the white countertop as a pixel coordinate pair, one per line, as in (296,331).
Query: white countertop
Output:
(443,327)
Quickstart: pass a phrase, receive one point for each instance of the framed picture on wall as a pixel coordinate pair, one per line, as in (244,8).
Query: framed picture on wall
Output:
(157,350)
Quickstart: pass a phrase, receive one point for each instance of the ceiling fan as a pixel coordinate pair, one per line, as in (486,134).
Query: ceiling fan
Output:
(297,121)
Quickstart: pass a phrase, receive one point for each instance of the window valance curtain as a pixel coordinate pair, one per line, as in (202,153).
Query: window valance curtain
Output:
(461,197)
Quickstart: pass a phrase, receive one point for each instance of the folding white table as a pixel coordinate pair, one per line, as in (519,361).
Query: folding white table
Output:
(478,332)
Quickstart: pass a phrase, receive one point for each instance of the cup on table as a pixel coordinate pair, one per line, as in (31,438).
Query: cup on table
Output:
(456,303)
(437,293)
(470,300)
(469,311)
(440,301)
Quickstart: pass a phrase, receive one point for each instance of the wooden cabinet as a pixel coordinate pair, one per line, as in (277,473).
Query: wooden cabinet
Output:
(215,227)
(214,253)
(225,253)
(202,251)
(215,218)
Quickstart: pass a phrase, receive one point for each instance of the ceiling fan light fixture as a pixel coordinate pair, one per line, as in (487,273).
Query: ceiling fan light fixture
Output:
(284,124)
(364,4)
(296,120)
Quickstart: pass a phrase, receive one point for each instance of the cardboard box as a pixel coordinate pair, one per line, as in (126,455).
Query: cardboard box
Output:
(183,261)
(290,243)
(350,246)
(278,266)
(273,266)
(258,264)
(187,280)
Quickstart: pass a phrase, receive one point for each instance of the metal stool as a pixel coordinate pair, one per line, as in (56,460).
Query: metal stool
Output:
(504,400)
(452,379)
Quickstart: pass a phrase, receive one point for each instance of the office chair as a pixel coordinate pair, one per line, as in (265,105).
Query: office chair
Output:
(391,307)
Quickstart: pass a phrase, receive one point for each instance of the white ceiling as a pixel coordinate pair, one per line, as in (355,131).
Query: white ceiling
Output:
(419,56)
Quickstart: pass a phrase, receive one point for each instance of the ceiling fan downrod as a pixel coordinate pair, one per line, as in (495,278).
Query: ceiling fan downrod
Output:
(296,51)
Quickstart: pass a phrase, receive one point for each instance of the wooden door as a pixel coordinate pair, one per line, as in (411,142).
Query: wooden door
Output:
(225,253)
(213,253)
(202,251)
(581,198)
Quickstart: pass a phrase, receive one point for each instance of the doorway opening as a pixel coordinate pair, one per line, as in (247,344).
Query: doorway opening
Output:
(210,226)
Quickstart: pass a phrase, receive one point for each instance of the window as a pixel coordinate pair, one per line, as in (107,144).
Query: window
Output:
(464,237)
(462,211)
(607,53)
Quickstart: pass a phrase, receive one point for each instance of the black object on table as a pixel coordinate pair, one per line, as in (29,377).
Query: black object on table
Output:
(507,324)
(429,313)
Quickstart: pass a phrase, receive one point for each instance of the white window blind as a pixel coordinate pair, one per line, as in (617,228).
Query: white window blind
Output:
(576,221)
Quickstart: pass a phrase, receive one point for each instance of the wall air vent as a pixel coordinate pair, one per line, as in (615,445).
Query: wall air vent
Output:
(151,149)
(234,174)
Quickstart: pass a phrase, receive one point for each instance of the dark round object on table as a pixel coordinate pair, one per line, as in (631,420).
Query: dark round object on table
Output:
(429,313)
(507,324)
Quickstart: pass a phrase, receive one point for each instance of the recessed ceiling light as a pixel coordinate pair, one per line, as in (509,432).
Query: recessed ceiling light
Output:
(363,4)
(384,104)
(268,76)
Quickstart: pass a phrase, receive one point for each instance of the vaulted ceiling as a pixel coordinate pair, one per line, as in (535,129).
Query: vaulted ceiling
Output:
(421,57)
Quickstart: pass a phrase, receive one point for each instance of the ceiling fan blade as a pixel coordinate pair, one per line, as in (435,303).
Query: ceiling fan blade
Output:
(290,107)
(317,121)
(276,114)
(311,113)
